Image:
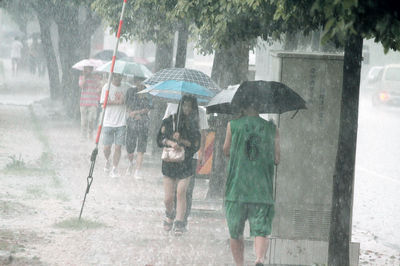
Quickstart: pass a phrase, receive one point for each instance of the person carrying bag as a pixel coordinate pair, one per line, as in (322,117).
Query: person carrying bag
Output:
(170,154)
(179,145)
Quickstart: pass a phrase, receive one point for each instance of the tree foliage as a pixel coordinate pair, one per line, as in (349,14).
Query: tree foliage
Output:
(223,23)
(145,20)
(340,19)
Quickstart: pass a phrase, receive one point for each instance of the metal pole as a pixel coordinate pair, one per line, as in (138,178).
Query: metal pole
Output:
(276,167)
(95,151)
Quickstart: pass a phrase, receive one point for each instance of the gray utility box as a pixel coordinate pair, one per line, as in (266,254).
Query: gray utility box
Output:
(308,153)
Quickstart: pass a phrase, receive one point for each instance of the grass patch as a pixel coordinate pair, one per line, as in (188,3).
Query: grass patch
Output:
(17,163)
(45,160)
(76,224)
(36,192)
(10,208)
(62,196)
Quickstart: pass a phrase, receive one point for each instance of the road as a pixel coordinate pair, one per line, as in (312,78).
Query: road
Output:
(376,208)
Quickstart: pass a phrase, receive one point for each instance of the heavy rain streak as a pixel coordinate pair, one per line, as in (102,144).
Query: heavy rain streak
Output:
(153,132)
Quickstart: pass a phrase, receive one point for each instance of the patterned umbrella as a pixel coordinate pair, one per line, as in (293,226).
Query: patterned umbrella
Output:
(182,74)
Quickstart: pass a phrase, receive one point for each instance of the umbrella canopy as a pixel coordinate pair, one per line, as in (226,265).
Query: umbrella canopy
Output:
(87,62)
(265,96)
(221,103)
(139,60)
(106,55)
(127,68)
(173,89)
(183,74)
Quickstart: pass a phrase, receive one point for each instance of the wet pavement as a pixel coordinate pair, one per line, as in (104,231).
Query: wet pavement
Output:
(122,219)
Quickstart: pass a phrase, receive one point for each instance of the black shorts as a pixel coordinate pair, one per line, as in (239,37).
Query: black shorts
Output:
(133,137)
(178,170)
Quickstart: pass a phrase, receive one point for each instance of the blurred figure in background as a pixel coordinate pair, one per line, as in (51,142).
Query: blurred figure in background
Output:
(137,125)
(90,85)
(33,55)
(16,48)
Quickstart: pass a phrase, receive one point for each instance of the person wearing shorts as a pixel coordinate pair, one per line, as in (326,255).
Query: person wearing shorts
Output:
(138,108)
(179,131)
(198,157)
(252,145)
(114,124)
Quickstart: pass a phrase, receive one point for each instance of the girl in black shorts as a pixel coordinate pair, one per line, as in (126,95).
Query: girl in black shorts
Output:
(187,135)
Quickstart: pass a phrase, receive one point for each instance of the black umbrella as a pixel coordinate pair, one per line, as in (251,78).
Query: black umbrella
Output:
(265,96)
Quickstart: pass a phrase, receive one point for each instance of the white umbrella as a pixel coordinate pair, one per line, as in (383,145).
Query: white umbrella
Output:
(88,63)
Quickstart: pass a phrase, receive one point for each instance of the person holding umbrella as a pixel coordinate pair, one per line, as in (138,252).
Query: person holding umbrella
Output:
(252,145)
(90,85)
(181,130)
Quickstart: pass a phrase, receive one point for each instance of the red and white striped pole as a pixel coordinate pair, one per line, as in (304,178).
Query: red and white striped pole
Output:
(95,151)
(111,73)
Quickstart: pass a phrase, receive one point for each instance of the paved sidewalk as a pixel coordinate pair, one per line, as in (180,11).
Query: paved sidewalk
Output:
(122,218)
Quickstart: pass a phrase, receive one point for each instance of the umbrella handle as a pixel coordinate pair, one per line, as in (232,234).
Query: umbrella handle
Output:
(178,114)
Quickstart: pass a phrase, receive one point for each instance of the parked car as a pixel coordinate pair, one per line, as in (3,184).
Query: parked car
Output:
(385,85)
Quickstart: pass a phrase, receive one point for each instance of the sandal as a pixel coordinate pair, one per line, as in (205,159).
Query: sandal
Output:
(167,225)
(179,228)
(169,220)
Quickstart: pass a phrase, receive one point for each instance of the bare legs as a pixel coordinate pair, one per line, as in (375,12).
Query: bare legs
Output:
(117,154)
(169,186)
(260,246)
(237,248)
(181,198)
(139,160)
(169,193)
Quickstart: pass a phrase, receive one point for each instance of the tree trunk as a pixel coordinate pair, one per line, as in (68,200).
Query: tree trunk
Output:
(51,61)
(164,52)
(183,35)
(230,67)
(68,57)
(343,180)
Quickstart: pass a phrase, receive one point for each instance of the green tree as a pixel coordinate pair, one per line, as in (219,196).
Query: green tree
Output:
(344,23)
(144,20)
(76,23)
(227,29)
(22,12)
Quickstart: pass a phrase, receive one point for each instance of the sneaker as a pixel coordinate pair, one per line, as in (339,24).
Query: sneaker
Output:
(138,175)
(107,167)
(114,173)
(130,168)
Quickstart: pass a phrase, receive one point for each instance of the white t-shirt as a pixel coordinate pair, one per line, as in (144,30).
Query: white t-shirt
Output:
(172,108)
(16,47)
(115,115)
